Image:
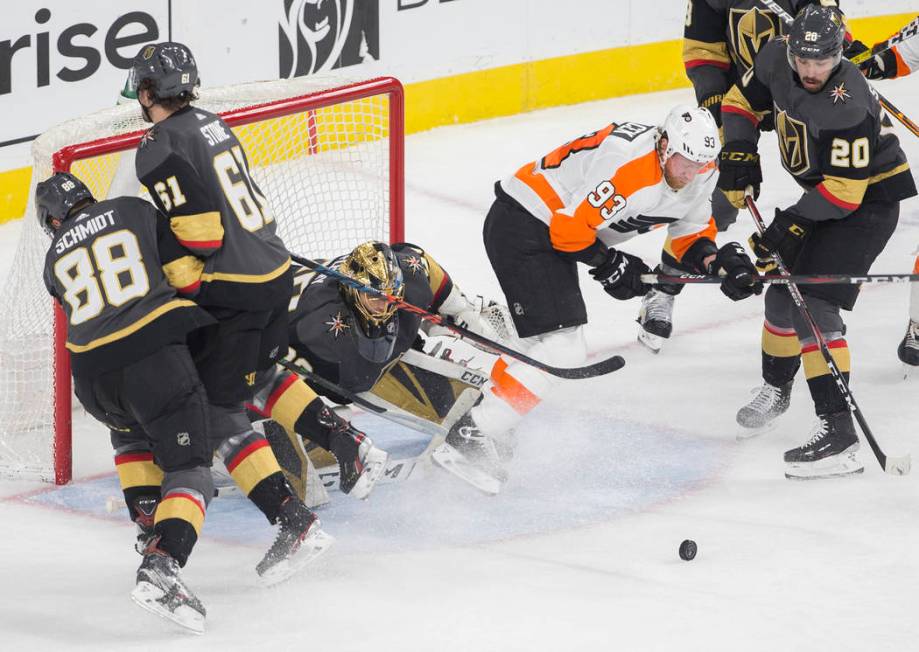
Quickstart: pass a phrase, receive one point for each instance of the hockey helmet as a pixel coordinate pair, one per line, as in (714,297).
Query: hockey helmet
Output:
(691,131)
(169,66)
(817,33)
(57,196)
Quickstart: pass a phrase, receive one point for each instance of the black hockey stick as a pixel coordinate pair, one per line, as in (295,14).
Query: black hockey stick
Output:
(589,371)
(909,30)
(892,465)
(786,18)
(801,279)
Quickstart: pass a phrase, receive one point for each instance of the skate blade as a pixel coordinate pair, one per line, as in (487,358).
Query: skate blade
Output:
(147,596)
(313,546)
(830,468)
(374,466)
(450,460)
(651,342)
(746,433)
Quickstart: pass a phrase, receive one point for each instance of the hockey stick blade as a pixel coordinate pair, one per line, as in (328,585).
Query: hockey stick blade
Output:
(898,465)
(600,368)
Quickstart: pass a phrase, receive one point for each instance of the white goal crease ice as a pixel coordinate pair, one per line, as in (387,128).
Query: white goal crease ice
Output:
(327,153)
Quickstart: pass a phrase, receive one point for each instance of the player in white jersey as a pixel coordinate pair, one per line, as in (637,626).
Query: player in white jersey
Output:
(900,61)
(577,204)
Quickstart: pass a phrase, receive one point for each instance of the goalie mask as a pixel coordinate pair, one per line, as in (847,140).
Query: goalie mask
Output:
(373,264)
(56,197)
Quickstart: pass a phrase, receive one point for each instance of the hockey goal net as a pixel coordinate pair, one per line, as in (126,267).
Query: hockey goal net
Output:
(328,155)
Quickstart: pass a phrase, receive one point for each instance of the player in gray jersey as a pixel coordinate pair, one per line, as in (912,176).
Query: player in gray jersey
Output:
(836,142)
(109,267)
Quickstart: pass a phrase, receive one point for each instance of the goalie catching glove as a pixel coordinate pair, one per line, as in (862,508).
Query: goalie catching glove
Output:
(620,275)
(477,316)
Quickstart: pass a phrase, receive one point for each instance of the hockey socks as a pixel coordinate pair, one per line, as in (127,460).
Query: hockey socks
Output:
(178,521)
(827,397)
(781,354)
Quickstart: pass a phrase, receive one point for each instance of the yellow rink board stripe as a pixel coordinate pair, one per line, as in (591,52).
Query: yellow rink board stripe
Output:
(517,88)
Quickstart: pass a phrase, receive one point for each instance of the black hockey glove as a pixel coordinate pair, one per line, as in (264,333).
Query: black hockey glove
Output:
(620,275)
(785,237)
(880,66)
(854,49)
(739,274)
(713,104)
(739,168)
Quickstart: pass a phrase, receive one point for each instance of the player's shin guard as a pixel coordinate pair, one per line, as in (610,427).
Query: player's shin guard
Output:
(827,397)
(140,479)
(178,521)
(781,354)
(256,472)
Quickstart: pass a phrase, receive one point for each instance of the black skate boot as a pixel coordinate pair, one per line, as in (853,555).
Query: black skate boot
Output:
(299,541)
(144,511)
(161,590)
(769,403)
(908,351)
(360,463)
(470,454)
(655,319)
(830,451)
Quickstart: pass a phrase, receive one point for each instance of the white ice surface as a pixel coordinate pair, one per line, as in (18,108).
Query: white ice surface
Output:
(611,474)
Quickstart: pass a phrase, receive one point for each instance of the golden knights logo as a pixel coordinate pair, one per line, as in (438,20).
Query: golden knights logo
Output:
(792,143)
(751,29)
(318,35)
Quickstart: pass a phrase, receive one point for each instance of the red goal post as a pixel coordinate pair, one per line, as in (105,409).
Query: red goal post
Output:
(330,162)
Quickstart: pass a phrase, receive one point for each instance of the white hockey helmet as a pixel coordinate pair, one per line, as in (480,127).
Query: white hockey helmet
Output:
(691,131)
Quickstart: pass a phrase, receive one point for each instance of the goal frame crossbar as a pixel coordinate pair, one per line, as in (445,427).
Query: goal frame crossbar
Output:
(64,158)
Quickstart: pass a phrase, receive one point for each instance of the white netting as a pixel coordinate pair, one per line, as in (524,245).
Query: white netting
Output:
(325,172)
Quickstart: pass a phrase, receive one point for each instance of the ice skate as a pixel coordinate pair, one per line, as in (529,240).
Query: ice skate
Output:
(471,455)
(161,590)
(908,351)
(830,451)
(360,462)
(300,540)
(757,416)
(655,319)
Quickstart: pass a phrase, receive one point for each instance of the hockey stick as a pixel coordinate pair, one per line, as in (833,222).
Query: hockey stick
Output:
(907,31)
(589,371)
(786,18)
(802,279)
(892,465)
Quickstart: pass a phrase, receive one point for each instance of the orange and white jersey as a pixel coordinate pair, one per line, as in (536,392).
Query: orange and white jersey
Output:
(907,54)
(610,185)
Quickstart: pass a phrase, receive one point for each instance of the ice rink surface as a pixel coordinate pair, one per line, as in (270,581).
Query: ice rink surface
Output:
(611,474)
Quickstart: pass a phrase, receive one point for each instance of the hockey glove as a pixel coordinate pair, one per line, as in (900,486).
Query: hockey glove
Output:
(880,66)
(737,271)
(713,104)
(739,168)
(785,237)
(620,275)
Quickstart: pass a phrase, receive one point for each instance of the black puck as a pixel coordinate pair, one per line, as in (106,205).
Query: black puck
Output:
(688,550)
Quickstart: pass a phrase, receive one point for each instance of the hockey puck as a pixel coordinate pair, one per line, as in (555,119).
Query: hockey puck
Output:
(688,550)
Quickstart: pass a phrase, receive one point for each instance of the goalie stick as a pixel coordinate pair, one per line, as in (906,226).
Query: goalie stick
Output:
(589,371)
(787,18)
(801,279)
(892,465)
